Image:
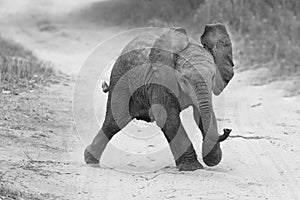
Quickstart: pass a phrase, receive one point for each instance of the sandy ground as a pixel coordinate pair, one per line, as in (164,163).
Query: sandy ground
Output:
(42,152)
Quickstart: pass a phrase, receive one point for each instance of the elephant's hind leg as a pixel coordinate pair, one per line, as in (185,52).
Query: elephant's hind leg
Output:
(117,117)
(93,152)
(166,115)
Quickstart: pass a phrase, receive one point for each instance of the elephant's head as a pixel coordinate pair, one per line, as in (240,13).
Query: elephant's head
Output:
(188,68)
(217,41)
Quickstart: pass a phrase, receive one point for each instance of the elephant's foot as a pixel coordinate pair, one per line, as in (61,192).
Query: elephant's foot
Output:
(89,158)
(93,152)
(188,161)
(214,157)
(189,165)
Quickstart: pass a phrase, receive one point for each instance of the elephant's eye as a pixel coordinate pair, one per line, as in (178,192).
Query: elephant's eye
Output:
(226,44)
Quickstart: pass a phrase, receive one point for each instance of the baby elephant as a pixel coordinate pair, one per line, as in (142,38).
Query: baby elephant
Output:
(158,76)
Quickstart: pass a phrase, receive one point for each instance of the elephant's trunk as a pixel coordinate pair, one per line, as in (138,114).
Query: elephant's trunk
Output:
(225,135)
(211,151)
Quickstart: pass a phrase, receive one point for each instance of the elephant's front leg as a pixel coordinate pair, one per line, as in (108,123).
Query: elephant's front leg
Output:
(166,115)
(183,151)
(211,150)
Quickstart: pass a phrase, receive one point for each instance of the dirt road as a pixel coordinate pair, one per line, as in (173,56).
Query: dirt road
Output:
(42,153)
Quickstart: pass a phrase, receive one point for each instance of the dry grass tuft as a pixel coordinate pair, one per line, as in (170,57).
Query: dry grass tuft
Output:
(20,68)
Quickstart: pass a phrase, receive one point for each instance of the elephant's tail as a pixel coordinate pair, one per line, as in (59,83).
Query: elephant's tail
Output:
(105,87)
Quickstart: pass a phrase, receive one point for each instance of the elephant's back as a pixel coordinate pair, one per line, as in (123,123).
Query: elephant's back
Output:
(142,43)
(135,54)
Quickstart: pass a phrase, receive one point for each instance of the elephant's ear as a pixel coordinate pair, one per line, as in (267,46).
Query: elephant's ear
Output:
(163,56)
(217,41)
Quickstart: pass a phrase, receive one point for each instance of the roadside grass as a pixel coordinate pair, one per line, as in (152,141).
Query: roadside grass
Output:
(20,69)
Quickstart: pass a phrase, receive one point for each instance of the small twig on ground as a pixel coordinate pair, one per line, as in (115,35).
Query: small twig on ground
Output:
(31,159)
(252,137)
